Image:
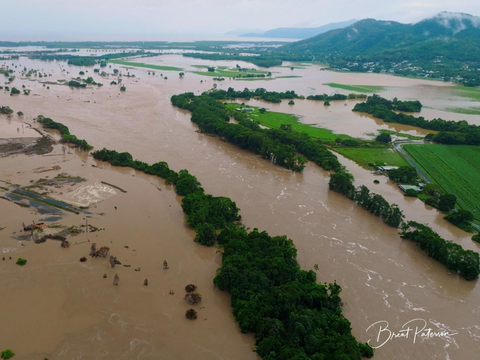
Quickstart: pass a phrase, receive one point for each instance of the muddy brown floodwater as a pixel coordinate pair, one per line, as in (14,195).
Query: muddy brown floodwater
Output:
(60,308)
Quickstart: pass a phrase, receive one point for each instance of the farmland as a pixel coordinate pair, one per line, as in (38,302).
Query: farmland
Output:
(456,168)
(357,88)
(148,66)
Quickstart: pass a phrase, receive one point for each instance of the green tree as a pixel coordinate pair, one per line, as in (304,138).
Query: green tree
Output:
(206,234)
(383,138)
(14,91)
(446,202)
(461,218)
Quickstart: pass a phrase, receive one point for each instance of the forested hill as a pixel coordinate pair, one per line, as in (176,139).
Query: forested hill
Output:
(447,45)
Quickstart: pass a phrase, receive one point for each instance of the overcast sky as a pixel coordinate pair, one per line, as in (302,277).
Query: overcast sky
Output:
(153,19)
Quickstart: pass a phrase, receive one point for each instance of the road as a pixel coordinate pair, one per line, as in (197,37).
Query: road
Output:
(398,147)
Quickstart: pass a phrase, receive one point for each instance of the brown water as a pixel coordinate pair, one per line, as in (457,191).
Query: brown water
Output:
(383,277)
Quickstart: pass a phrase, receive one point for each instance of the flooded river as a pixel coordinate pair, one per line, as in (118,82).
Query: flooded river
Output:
(60,308)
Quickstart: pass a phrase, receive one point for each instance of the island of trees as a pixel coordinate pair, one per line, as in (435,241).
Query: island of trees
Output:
(449,132)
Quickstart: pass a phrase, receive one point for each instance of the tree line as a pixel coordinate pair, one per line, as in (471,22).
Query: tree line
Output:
(291,315)
(64,132)
(326,97)
(465,262)
(86,60)
(259,93)
(449,132)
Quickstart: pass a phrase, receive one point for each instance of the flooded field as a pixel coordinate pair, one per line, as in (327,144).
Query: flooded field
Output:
(79,314)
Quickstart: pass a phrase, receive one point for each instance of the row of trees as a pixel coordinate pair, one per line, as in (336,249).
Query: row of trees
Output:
(465,262)
(342,182)
(291,315)
(64,132)
(326,97)
(260,93)
(280,146)
(450,132)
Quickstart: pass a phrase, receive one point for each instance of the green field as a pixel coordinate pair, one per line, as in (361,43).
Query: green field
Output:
(224,71)
(357,88)
(148,66)
(455,168)
(378,156)
(468,92)
(274,120)
(474,110)
(361,155)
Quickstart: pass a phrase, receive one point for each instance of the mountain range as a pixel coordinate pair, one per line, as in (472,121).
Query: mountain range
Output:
(298,33)
(443,43)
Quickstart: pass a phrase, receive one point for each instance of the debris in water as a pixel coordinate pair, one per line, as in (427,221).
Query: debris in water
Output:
(116,279)
(83,259)
(104,276)
(145,282)
(165,264)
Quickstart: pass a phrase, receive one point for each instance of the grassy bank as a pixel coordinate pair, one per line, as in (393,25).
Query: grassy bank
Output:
(224,71)
(274,120)
(366,156)
(467,92)
(455,168)
(147,66)
(357,88)
(361,155)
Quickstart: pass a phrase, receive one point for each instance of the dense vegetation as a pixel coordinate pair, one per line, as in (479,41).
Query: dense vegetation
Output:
(5,110)
(291,315)
(336,97)
(465,262)
(64,132)
(259,93)
(450,132)
(342,182)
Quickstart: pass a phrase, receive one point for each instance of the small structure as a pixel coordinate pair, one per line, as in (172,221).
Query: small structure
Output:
(412,187)
(245,109)
(387,168)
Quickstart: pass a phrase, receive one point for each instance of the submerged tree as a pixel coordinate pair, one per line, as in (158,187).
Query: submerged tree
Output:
(190,288)
(191,314)
(193,298)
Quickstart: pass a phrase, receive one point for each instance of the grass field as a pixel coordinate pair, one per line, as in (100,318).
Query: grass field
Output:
(378,156)
(148,66)
(474,110)
(362,156)
(468,92)
(357,88)
(274,120)
(455,168)
(223,71)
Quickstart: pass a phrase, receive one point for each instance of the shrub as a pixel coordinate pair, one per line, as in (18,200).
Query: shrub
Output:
(21,261)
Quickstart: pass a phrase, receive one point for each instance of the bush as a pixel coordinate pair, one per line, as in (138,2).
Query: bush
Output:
(376,182)
(7,354)
(291,102)
(123,88)
(21,261)
(411,193)
(476,237)
(14,91)
(383,138)
(191,314)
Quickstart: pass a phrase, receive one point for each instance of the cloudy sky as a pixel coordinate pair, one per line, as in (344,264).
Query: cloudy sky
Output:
(155,19)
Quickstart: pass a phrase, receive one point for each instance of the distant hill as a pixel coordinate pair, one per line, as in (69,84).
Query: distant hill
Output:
(237,32)
(298,33)
(440,45)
